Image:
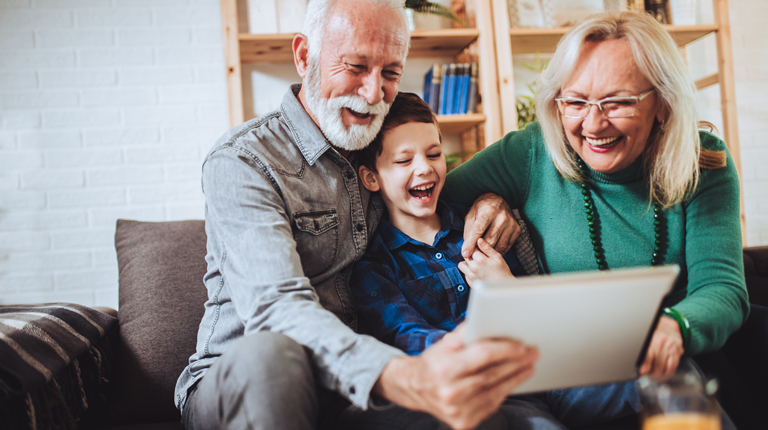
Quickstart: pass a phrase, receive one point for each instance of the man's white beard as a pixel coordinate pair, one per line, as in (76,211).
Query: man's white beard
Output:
(328,114)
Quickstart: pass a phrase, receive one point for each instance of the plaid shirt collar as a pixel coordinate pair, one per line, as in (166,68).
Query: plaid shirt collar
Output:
(394,238)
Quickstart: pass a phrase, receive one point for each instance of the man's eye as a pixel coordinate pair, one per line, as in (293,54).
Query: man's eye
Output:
(390,74)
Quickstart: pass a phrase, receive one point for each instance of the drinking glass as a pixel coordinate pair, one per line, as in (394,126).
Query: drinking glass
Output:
(683,402)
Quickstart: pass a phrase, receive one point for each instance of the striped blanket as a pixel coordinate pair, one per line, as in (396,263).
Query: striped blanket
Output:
(38,341)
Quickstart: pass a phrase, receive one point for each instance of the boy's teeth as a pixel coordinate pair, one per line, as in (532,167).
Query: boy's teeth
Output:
(423,187)
(603,141)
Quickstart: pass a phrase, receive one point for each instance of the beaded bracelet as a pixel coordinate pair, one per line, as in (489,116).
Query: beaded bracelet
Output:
(682,321)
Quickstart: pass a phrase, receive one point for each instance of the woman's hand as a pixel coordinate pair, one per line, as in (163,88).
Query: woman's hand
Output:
(665,350)
(490,218)
(485,263)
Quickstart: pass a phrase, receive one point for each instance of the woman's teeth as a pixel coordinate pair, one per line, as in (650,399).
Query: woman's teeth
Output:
(604,142)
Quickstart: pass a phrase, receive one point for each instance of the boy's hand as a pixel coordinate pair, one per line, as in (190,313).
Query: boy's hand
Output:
(490,218)
(485,263)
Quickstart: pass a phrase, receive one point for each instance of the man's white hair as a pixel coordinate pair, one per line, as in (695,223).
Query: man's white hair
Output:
(319,12)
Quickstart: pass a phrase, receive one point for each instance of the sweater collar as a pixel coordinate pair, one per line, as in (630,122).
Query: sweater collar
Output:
(628,174)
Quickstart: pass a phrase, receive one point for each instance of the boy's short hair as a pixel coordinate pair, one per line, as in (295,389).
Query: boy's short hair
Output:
(407,107)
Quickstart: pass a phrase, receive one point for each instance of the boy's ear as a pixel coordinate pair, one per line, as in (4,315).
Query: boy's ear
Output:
(368,178)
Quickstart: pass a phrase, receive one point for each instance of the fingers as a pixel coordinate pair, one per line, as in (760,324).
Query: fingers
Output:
(474,227)
(487,249)
(486,353)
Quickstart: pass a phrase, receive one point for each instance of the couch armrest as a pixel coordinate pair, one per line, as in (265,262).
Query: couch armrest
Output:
(756,274)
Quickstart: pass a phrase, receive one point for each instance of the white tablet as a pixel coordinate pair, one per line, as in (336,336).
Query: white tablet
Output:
(590,327)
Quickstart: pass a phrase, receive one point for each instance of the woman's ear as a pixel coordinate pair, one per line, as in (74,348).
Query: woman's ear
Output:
(300,48)
(368,178)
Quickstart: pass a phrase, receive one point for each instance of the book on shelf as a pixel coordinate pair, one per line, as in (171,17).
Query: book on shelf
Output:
(451,89)
(472,91)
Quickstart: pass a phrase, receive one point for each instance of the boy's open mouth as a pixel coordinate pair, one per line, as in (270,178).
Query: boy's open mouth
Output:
(422,191)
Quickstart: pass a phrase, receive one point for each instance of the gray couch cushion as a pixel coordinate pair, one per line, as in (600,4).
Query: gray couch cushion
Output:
(161,303)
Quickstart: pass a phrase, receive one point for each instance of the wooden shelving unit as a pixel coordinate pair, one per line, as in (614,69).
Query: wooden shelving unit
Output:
(244,48)
(512,41)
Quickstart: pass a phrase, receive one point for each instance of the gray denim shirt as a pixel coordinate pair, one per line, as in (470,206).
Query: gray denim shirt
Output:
(286,217)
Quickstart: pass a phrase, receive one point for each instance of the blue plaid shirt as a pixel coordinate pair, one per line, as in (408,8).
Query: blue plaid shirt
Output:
(411,294)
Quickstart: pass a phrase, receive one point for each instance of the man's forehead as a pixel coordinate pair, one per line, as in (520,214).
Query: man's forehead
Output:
(367,27)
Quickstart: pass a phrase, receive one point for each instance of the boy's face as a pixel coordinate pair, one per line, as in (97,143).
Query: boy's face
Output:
(411,170)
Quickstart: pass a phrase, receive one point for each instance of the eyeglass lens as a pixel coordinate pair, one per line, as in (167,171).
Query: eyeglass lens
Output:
(613,108)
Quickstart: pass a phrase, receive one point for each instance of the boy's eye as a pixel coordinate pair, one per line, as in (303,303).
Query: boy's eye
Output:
(435,156)
(402,161)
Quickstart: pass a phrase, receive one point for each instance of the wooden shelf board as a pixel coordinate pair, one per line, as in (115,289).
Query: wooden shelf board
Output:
(544,40)
(276,48)
(450,124)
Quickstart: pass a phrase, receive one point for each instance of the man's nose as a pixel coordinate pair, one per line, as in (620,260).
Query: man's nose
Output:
(372,88)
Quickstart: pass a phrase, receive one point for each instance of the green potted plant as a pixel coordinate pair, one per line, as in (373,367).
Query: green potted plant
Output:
(526,105)
(432,8)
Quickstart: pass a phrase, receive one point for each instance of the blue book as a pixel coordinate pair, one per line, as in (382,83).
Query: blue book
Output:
(450,96)
(461,107)
(427,85)
(436,73)
(444,91)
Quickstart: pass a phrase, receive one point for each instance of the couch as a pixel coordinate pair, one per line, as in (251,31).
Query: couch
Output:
(161,297)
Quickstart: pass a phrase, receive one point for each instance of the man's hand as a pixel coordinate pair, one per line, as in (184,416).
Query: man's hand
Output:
(485,263)
(459,384)
(665,350)
(490,218)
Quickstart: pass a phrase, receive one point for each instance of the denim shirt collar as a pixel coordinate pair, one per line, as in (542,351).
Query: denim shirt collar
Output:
(309,139)
(394,238)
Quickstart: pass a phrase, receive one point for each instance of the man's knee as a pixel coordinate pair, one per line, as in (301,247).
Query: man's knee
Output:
(262,381)
(267,355)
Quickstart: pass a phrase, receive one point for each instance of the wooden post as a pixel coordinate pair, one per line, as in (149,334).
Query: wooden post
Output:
(488,80)
(728,95)
(504,56)
(232,61)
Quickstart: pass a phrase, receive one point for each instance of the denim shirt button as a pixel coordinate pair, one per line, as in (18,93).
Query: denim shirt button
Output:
(360,227)
(352,390)
(349,176)
(439,255)
(461,288)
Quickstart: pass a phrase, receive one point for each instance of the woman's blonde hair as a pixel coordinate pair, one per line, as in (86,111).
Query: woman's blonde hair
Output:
(671,159)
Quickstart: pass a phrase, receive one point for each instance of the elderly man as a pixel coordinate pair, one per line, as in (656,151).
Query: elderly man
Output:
(285,218)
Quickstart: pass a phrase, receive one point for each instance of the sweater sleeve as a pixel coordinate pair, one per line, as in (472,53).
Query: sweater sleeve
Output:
(716,303)
(502,168)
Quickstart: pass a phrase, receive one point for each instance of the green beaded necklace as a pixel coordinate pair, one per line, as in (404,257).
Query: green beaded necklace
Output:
(594,225)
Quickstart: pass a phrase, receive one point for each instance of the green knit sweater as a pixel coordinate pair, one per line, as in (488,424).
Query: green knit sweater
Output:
(704,235)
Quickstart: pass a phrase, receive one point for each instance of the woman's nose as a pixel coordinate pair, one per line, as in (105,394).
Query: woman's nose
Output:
(595,119)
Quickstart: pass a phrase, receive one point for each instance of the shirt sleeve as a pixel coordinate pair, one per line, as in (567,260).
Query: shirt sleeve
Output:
(386,311)
(716,303)
(502,168)
(251,241)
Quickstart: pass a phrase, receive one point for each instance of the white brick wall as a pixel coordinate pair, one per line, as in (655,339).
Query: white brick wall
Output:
(107,110)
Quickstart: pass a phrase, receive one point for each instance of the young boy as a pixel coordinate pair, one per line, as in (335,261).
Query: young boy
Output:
(409,285)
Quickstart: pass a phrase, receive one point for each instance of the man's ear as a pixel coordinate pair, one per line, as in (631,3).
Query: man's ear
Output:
(300,48)
(368,178)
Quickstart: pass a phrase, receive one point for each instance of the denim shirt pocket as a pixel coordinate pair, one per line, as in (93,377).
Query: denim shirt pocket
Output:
(317,239)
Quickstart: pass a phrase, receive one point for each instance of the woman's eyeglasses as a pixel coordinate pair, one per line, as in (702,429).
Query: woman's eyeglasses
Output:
(611,107)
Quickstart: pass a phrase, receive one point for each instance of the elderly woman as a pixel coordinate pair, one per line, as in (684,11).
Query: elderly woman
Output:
(616,174)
